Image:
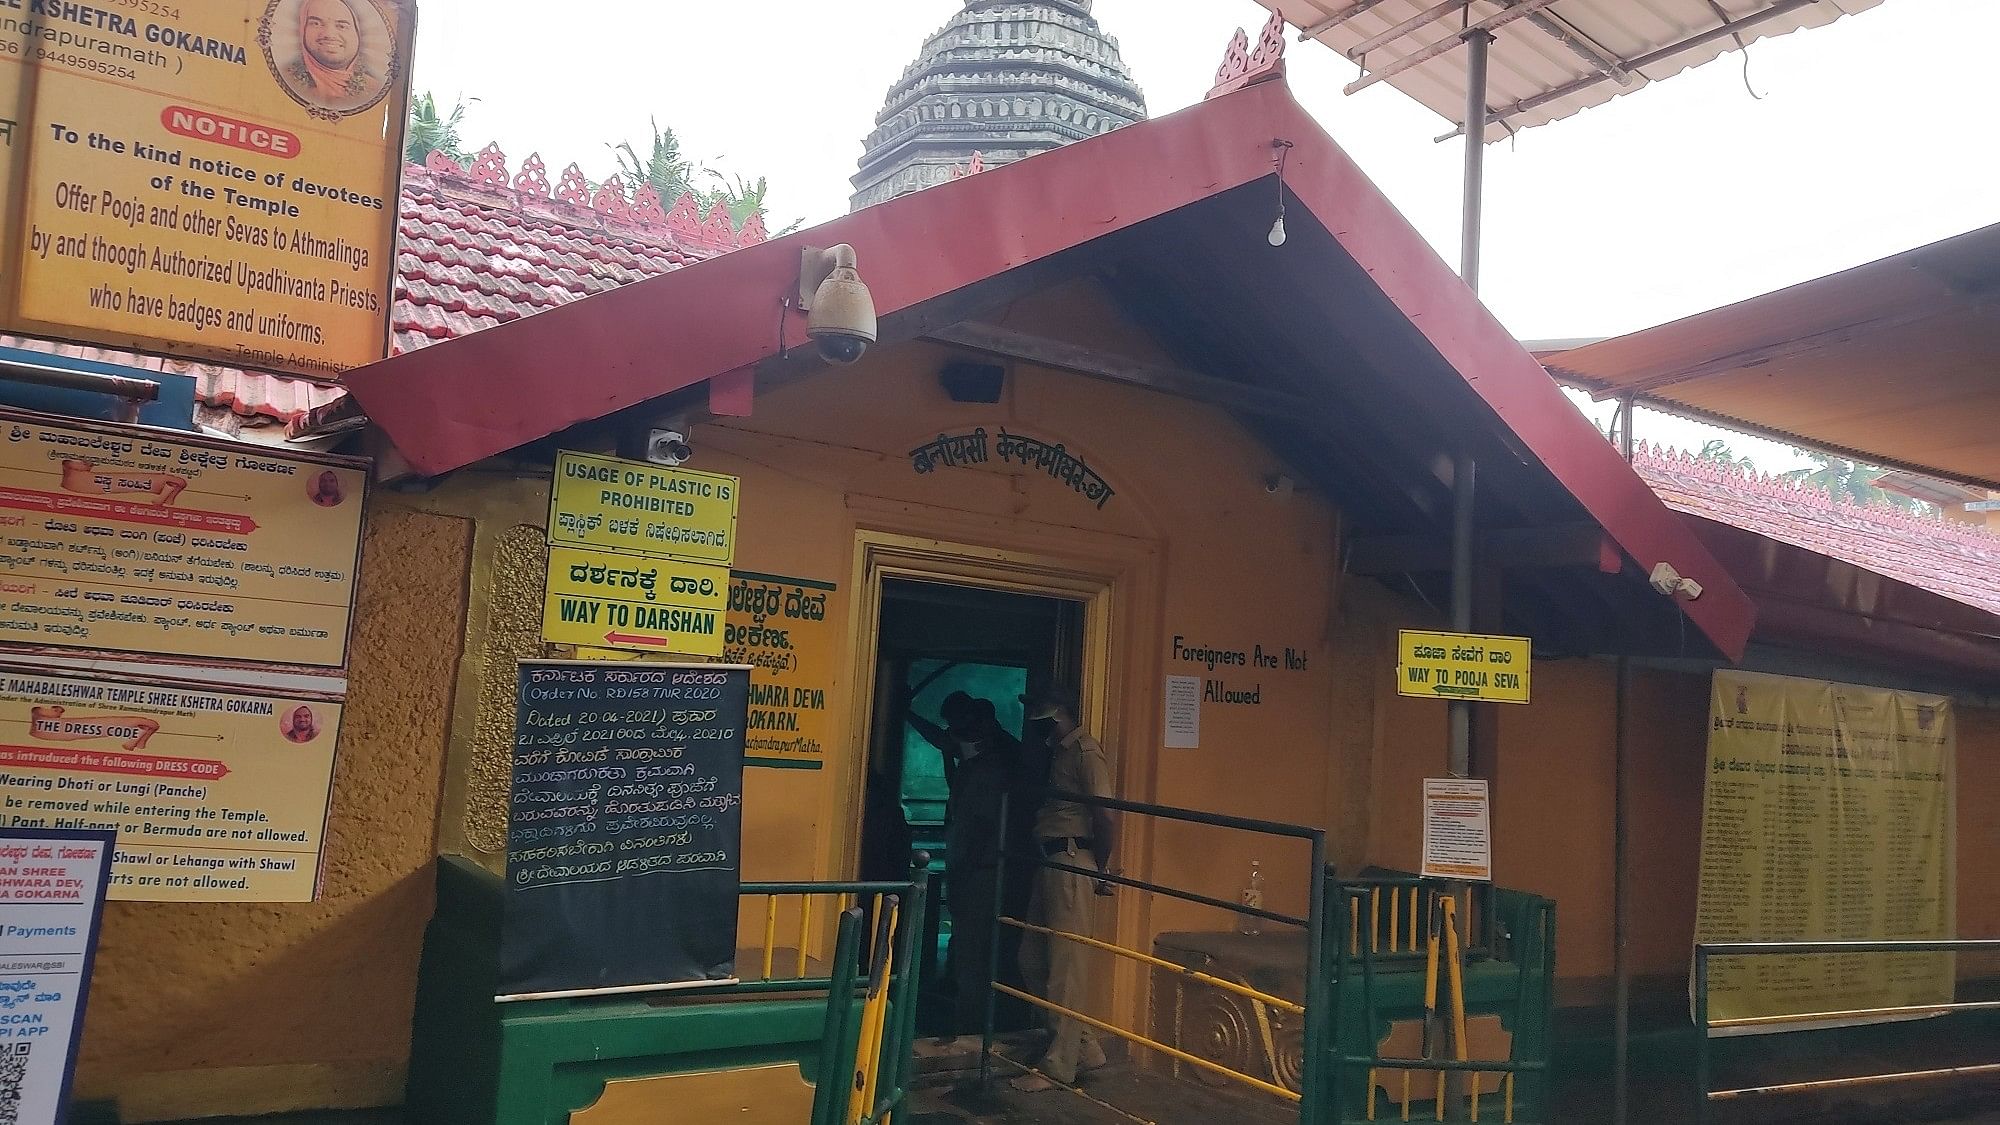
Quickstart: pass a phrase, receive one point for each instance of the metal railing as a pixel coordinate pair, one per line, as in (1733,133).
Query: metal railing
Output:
(1314,1012)
(865,1064)
(1706,1028)
(1523,932)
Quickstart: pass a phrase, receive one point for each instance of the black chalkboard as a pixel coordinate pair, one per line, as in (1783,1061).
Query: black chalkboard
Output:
(623,826)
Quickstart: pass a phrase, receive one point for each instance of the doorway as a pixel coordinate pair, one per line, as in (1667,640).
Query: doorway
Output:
(936,641)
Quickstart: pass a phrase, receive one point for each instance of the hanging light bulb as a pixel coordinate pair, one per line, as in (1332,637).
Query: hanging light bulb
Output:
(1280,148)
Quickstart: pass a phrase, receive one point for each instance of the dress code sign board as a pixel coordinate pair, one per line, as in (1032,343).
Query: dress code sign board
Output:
(623,827)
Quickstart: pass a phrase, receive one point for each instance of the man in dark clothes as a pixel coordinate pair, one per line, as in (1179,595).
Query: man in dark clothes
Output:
(982,763)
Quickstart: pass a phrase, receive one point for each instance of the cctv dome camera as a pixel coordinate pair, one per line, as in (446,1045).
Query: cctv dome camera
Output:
(841,320)
(840,347)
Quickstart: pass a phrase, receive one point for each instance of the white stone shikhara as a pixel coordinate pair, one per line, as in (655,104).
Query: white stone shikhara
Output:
(1005,79)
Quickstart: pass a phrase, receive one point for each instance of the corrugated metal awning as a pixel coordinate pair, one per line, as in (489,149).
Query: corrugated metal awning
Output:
(1893,363)
(1549,58)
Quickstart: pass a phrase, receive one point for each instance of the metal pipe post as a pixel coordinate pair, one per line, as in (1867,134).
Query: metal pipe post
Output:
(1621,884)
(1463,481)
(1701,1106)
(1313,1074)
(1463,472)
(1476,43)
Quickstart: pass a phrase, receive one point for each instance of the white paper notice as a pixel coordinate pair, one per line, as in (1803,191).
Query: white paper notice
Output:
(51,893)
(1183,712)
(1458,830)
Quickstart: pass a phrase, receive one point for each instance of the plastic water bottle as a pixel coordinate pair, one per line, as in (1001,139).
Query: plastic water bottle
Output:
(1253,897)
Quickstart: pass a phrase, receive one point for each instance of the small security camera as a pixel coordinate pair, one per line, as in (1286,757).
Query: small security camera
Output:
(841,312)
(1668,581)
(669,448)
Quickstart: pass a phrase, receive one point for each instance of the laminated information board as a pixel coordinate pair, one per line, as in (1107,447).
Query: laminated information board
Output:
(624,826)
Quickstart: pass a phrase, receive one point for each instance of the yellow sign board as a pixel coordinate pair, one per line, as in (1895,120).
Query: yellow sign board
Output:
(120,539)
(611,504)
(1828,816)
(1471,666)
(215,796)
(783,629)
(213,178)
(604,599)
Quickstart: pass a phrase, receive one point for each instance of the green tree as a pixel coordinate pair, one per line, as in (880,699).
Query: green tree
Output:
(671,174)
(1717,451)
(431,131)
(1841,478)
(744,198)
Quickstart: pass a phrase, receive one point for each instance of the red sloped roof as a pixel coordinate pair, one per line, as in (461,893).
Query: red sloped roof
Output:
(479,246)
(1953,559)
(444,408)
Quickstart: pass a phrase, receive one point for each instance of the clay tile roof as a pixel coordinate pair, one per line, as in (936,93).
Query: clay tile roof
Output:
(1953,559)
(479,247)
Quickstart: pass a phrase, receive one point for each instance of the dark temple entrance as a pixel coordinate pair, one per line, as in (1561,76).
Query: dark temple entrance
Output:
(938,640)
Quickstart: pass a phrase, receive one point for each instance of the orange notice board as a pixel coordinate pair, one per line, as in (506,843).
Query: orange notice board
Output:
(121,539)
(210,178)
(215,796)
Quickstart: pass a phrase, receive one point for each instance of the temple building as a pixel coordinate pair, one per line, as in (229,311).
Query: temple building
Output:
(1003,80)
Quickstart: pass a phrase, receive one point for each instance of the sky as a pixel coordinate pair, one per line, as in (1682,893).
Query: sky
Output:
(1871,136)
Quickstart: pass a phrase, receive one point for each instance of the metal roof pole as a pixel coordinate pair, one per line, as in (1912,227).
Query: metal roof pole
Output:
(1477,41)
(1464,472)
(1621,885)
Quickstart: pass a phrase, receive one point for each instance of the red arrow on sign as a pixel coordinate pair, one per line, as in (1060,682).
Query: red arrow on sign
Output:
(615,638)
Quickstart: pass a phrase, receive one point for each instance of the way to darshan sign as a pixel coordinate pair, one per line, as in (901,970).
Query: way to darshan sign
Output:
(119,539)
(213,178)
(215,796)
(1469,666)
(605,599)
(1829,816)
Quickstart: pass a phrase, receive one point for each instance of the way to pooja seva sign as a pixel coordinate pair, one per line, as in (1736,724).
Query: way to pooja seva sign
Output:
(1471,666)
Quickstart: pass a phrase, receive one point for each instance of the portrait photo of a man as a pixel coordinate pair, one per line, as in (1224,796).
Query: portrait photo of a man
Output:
(332,56)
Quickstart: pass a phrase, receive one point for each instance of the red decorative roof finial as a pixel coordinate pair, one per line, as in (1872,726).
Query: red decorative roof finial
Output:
(720,228)
(753,229)
(684,218)
(534,177)
(970,168)
(1242,66)
(573,188)
(489,168)
(440,164)
(646,207)
(610,201)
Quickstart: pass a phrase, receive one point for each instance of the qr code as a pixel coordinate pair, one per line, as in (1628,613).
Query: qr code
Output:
(13,1079)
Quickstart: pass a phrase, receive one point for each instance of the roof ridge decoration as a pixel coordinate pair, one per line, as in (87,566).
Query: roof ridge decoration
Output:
(617,207)
(1242,66)
(1661,456)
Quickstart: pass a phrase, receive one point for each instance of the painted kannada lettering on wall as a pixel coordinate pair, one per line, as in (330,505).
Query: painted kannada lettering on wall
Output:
(952,451)
(782,628)
(117,539)
(214,179)
(1828,815)
(215,796)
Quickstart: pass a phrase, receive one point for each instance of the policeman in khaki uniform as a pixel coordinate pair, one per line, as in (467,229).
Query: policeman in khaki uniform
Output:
(1076,835)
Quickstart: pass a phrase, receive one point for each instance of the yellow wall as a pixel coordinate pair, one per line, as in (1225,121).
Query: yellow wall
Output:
(1553,818)
(202,1009)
